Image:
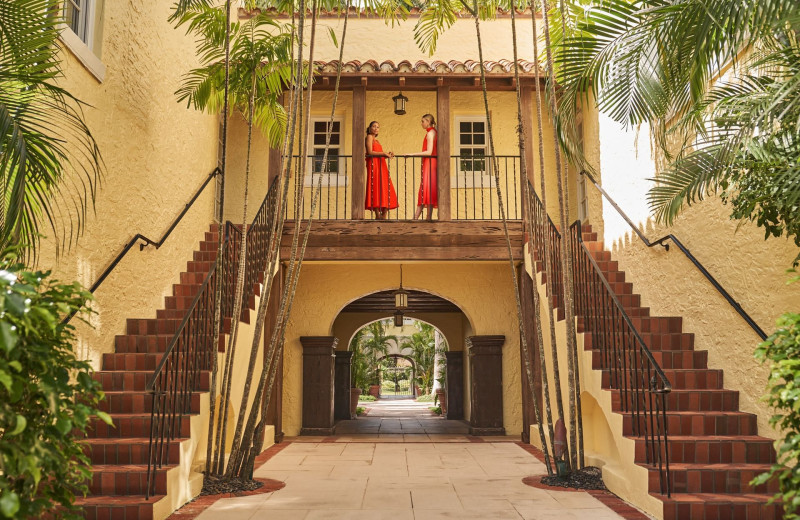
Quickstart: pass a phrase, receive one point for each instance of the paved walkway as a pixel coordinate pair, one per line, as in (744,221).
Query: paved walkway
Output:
(399,481)
(396,420)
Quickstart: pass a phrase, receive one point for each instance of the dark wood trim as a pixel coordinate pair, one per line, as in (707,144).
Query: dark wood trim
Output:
(443,150)
(455,384)
(359,167)
(486,384)
(318,381)
(422,81)
(341,385)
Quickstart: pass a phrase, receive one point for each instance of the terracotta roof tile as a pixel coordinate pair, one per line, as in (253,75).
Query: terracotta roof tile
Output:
(471,67)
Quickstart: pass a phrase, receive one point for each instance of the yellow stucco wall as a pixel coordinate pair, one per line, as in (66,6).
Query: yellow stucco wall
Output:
(751,269)
(324,289)
(156,154)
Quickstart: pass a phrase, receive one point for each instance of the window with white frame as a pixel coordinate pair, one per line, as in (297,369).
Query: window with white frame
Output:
(471,146)
(334,169)
(78,17)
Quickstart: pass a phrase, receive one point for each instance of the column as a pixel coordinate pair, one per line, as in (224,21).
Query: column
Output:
(318,378)
(443,151)
(341,385)
(358,180)
(455,384)
(486,375)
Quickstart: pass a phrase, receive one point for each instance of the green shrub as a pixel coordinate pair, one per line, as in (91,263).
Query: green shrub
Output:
(782,350)
(360,410)
(47,396)
(436,409)
(367,398)
(427,398)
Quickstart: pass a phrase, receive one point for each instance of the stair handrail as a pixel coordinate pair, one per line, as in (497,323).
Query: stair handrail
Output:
(147,241)
(643,386)
(190,351)
(661,242)
(633,397)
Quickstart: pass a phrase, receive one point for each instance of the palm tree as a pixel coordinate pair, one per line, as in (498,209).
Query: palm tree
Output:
(359,365)
(376,343)
(261,59)
(659,63)
(423,352)
(50,164)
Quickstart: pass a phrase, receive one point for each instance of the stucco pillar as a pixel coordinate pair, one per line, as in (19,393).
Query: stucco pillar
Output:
(318,380)
(486,375)
(443,151)
(341,385)
(358,185)
(455,385)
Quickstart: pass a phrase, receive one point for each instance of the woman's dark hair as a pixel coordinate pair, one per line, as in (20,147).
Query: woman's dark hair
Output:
(370,126)
(430,118)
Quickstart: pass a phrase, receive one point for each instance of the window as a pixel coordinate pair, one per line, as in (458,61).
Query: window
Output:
(319,139)
(77,15)
(473,169)
(335,172)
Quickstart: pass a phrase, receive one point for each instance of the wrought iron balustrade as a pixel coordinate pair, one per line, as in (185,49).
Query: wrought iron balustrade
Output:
(179,375)
(473,187)
(633,370)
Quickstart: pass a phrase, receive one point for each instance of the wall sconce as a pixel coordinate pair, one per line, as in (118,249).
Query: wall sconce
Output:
(400,104)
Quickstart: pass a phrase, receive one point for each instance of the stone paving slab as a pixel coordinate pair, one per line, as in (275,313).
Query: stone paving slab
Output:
(408,481)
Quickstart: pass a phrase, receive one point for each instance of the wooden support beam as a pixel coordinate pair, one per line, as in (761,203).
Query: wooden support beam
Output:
(364,81)
(402,81)
(359,167)
(439,81)
(443,150)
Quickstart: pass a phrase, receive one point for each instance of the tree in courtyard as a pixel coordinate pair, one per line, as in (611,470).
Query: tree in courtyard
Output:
(423,352)
(50,165)
(376,344)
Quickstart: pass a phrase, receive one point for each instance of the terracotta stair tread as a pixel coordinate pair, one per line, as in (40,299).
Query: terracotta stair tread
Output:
(723,466)
(122,440)
(93,500)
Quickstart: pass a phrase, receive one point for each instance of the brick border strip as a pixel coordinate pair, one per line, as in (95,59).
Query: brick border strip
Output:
(607,498)
(192,509)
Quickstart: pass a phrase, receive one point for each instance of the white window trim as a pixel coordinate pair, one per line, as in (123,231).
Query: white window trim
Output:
(466,179)
(81,51)
(329,180)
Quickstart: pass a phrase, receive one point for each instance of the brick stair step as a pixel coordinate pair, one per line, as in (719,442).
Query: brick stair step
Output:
(701,423)
(653,340)
(152,326)
(689,359)
(113,361)
(136,380)
(695,400)
(714,449)
(211,236)
(709,506)
(142,344)
(128,479)
(188,278)
(131,507)
(205,256)
(714,478)
(127,451)
(690,379)
(194,266)
(127,425)
(139,403)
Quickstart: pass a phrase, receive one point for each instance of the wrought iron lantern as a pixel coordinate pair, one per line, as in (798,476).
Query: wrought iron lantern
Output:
(400,302)
(400,104)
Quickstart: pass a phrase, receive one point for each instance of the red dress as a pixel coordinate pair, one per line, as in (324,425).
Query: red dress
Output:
(429,186)
(380,192)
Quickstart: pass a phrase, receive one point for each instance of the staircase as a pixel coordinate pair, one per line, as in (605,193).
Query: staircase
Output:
(714,448)
(119,454)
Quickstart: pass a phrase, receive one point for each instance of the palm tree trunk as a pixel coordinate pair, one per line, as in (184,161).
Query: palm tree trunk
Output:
(566,250)
(525,185)
(220,241)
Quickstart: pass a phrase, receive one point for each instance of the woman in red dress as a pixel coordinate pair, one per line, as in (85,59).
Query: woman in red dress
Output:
(429,187)
(381,196)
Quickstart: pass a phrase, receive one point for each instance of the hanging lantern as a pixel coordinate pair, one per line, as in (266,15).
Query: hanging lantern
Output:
(401,295)
(400,104)
(398,318)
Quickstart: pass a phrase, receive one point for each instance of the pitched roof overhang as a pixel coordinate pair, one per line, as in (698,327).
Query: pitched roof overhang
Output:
(423,75)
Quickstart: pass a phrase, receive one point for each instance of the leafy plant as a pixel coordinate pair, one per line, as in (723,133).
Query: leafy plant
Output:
(367,398)
(44,139)
(423,352)
(47,396)
(782,351)
(376,343)
(360,410)
(436,409)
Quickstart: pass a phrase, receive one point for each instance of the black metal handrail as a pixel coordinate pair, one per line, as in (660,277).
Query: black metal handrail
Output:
(179,373)
(147,241)
(632,368)
(661,242)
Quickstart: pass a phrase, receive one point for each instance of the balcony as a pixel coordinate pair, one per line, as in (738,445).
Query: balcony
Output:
(466,226)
